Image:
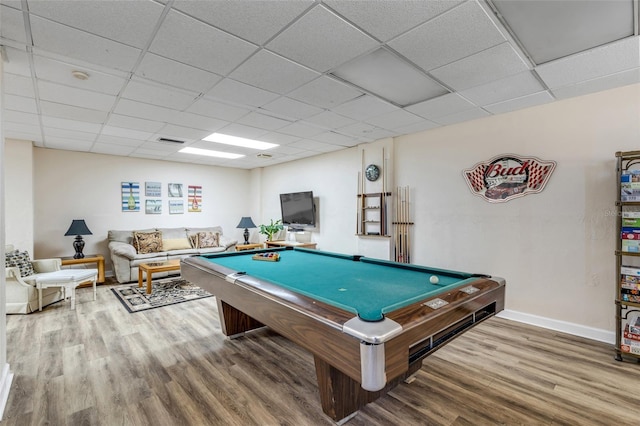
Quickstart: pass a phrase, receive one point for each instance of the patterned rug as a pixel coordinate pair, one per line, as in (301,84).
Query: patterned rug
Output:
(165,292)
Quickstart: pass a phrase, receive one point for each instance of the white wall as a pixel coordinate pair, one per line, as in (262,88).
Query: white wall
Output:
(72,185)
(18,200)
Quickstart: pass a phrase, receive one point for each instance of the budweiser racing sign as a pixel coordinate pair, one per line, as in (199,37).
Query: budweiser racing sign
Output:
(508,176)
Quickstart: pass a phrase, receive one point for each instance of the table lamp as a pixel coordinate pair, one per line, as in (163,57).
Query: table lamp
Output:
(78,228)
(246,223)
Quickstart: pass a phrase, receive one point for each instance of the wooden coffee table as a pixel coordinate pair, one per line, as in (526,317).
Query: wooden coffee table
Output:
(151,267)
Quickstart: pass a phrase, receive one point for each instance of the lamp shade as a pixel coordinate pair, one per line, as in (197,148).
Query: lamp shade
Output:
(78,227)
(246,222)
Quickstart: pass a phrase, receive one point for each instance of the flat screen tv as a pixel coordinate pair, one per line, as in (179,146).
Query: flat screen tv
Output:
(298,210)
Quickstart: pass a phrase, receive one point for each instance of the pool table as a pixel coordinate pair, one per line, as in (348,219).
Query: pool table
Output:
(367,322)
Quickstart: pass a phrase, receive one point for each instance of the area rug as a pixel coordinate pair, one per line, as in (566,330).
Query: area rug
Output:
(165,292)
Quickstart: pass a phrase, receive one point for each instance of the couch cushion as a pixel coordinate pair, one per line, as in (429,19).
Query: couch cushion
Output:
(169,244)
(147,242)
(21,260)
(171,233)
(208,239)
(121,236)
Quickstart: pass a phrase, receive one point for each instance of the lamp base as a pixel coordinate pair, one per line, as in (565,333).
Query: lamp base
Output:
(78,245)
(246,236)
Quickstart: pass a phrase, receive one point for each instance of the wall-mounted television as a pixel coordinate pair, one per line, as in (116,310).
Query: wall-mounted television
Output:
(298,210)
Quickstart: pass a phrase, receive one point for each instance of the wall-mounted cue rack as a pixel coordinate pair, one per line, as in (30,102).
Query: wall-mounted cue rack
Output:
(401,226)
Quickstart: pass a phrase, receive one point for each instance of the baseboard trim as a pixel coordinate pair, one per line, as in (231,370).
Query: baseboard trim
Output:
(5,386)
(600,335)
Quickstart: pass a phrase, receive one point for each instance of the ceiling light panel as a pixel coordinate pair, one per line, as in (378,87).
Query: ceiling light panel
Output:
(569,26)
(386,75)
(236,141)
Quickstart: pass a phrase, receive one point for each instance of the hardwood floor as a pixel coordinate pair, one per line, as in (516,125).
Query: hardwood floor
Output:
(100,365)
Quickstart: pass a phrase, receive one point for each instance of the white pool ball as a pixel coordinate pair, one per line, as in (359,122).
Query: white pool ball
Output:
(434,279)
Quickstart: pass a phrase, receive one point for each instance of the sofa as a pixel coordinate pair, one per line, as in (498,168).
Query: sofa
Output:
(129,249)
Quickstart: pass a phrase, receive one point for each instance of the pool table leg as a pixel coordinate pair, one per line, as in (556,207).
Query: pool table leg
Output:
(342,396)
(234,323)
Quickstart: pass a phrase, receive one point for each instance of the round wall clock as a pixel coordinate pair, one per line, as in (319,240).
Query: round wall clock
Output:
(372,172)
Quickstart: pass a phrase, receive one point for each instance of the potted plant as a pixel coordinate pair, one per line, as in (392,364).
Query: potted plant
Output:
(271,229)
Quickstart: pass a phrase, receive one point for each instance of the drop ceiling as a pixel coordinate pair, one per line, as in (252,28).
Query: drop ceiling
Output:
(310,76)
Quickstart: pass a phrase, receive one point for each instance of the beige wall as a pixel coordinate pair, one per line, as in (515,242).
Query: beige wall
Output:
(19,203)
(72,185)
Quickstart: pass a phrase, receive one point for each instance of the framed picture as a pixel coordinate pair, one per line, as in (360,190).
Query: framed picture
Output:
(153,206)
(194,196)
(130,196)
(175,190)
(153,189)
(176,207)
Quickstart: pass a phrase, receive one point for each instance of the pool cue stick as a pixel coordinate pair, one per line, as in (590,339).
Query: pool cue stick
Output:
(358,212)
(383,200)
(396,227)
(405,250)
(362,200)
(408,223)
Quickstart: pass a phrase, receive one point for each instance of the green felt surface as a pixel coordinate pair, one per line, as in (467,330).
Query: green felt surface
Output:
(368,288)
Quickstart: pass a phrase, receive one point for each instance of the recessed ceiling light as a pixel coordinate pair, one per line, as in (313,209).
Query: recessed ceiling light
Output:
(80,75)
(236,141)
(210,153)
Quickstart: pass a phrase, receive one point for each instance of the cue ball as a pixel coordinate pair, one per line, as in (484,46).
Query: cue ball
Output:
(434,279)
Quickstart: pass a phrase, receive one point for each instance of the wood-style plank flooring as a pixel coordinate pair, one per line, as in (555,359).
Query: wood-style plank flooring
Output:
(100,365)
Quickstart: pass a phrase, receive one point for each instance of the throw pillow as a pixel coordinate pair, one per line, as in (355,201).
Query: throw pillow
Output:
(175,244)
(147,242)
(193,240)
(21,260)
(208,239)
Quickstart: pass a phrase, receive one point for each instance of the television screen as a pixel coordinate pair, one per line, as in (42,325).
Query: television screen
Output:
(298,210)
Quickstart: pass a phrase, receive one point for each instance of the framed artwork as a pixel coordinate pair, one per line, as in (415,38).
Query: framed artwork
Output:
(175,190)
(153,189)
(194,196)
(176,207)
(130,196)
(153,206)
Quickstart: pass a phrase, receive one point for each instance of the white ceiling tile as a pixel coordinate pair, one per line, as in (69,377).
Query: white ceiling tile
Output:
(11,116)
(142,110)
(336,139)
(121,150)
(569,26)
(489,65)
(235,129)
(215,109)
(273,72)
(310,145)
(312,40)
(607,82)
(263,121)
(385,19)
(173,73)
(278,138)
(301,130)
(180,133)
(457,33)
(192,42)
(366,132)
(147,92)
(519,103)
(54,92)
(27,135)
(330,120)
(510,87)
(20,85)
(12,25)
(148,126)
(125,133)
(417,127)
(237,92)
(20,103)
(325,92)
(286,150)
(394,119)
(81,45)
(609,59)
(468,115)
(128,22)
(67,144)
(256,21)
(364,107)
(197,121)
(292,108)
(441,106)
(23,128)
(64,123)
(52,132)
(165,147)
(118,140)
(60,72)
(72,112)
(17,63)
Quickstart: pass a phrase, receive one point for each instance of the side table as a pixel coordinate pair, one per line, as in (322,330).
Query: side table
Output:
(250,246)
(98,259)
(68,279)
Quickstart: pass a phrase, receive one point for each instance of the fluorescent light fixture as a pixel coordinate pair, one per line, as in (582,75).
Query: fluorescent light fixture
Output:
(236,141)
(210,153)
(390,77)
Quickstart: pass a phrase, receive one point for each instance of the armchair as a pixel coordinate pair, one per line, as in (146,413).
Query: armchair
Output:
(21,291)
